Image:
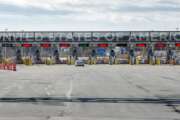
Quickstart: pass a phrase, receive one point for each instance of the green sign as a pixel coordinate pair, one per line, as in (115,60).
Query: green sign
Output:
(83,45)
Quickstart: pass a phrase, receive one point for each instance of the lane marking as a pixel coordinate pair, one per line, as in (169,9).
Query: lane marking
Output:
(68,95)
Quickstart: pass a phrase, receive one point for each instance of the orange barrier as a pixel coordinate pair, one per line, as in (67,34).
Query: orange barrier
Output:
(11,67)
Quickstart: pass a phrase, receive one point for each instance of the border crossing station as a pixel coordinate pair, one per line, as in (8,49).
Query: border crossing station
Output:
(93,47)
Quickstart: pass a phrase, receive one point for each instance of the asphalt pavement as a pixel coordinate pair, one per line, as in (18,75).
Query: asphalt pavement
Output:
(91,82)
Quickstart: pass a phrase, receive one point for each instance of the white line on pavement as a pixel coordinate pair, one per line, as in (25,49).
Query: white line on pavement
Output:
(68,95)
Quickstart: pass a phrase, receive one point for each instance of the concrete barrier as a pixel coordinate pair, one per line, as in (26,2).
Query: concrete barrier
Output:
(11,67)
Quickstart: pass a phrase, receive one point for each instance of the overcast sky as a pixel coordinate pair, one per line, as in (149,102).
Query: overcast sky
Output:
(89,14)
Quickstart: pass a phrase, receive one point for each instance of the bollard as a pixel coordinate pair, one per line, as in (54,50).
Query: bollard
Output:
(89,62)
(68,62)
(129,61)
(151,62)
(137,61)
(172,62)
(116,61)
(30,61)
(132,60)
(95,61)
(158,61)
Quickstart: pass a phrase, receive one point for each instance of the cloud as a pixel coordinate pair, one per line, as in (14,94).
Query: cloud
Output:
(90,14)
(147,8)
(31,10)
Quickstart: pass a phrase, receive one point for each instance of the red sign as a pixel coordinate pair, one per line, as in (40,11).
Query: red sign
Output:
(177,44)
(140,45)
(26,45)
(47,45)
(103,45)
(160,45)
(18,45)
(64,45)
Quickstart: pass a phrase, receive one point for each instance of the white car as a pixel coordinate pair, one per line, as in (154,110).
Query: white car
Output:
(79,63)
